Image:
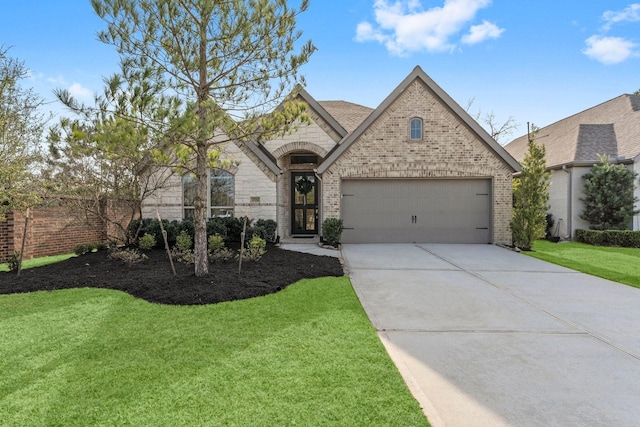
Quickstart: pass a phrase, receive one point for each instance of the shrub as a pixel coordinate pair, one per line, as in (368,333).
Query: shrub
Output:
(13,261)
(215,243)
(83,248)
(234,228)
(152,227)
(608,196)
(268,229)
(128,256)
(147,242)
(256,247)
(187,226)
(217,226)
(622,238)
(184,242)
(332,231)
(182,251)
(187,257)
(549,227)
(217,250)
(101,246)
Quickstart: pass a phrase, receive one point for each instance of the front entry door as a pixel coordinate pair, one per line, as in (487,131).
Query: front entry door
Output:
(304,203)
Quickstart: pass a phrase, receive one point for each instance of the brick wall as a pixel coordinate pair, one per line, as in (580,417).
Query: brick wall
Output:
(449,149)
(54,229)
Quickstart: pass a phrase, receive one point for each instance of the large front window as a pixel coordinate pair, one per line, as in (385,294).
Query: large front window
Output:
(220,194)
(189,194)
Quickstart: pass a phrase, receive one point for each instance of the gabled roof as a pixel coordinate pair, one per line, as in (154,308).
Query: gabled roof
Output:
(322,111)
(343,117)
(612,128)
(418,73)
(348,114)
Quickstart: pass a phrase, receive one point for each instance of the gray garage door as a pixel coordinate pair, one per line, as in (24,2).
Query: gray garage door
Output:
(416,210)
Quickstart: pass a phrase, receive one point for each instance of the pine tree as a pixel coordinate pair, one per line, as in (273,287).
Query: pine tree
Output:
(530,196)
(219,67)
(609,200)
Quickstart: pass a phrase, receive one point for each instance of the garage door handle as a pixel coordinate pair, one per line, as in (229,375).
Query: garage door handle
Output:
(482,228)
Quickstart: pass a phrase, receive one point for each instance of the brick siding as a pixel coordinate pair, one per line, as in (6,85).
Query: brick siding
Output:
(54,230)
(449,149)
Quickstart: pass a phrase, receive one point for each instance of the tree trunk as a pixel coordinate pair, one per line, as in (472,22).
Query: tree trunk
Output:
(202,176)
(200,220)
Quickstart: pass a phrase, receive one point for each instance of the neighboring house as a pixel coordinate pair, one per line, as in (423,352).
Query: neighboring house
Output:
(416,169)
(572,147)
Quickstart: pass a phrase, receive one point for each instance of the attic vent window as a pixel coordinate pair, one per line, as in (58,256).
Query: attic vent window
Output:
(416,129)
(304,159)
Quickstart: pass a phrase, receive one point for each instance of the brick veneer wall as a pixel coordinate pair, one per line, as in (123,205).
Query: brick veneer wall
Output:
(53,230)
(449,149)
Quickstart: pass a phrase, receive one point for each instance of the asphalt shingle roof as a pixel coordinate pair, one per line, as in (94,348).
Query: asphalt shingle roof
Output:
(349,115)
(594,140)
(612,127)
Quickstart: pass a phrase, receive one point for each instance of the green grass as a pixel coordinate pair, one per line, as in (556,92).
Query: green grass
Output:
(38,262)
(618,264)
(304,356)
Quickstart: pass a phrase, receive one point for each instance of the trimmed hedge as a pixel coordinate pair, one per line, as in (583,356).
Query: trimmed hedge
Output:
(229,228)
(622,238)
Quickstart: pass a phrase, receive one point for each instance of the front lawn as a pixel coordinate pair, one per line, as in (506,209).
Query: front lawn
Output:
(38,262)
(304,356)
(618,264)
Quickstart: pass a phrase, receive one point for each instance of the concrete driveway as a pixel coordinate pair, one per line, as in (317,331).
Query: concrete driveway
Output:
(484,336)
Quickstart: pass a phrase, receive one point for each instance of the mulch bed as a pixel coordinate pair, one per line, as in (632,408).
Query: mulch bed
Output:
(153,280)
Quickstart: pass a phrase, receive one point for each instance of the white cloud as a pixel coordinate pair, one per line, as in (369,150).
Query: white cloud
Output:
(609,50)
(80,92)
(404,26)
(57,80)
(479,33)
(629,14)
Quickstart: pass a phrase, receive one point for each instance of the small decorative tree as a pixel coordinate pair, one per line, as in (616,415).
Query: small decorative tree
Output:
(608,196)
(332,231)
(530,196)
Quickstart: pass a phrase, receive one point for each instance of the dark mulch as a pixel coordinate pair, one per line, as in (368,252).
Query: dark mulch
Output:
(153,281)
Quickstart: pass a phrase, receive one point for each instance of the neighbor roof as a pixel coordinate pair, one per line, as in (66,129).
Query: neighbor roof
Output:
(610,128)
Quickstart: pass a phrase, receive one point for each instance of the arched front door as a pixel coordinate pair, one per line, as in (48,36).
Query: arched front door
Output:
(304,203)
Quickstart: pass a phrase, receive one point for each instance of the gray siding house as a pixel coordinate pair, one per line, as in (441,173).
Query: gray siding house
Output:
(572,147)
(417,168)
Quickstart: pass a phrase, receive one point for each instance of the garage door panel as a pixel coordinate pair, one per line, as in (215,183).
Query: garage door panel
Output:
(419,210)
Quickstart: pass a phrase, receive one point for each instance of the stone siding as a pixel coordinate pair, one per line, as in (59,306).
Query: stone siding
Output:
(255,189)
(311,133)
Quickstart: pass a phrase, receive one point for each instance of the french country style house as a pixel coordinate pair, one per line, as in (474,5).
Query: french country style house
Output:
(417,168)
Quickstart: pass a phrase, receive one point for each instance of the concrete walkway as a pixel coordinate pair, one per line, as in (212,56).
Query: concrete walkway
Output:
(310,248)
(484,336)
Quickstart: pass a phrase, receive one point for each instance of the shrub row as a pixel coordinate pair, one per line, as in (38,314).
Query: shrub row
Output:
(623,238)
(229,228)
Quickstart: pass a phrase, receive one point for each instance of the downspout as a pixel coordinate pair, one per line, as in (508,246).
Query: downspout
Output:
(570,204)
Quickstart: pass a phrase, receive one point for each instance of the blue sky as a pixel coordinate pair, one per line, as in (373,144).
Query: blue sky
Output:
(536,61)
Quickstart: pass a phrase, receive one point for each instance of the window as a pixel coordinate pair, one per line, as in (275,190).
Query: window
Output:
(416,128)
(221,194)
(188,194)
(304,159)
